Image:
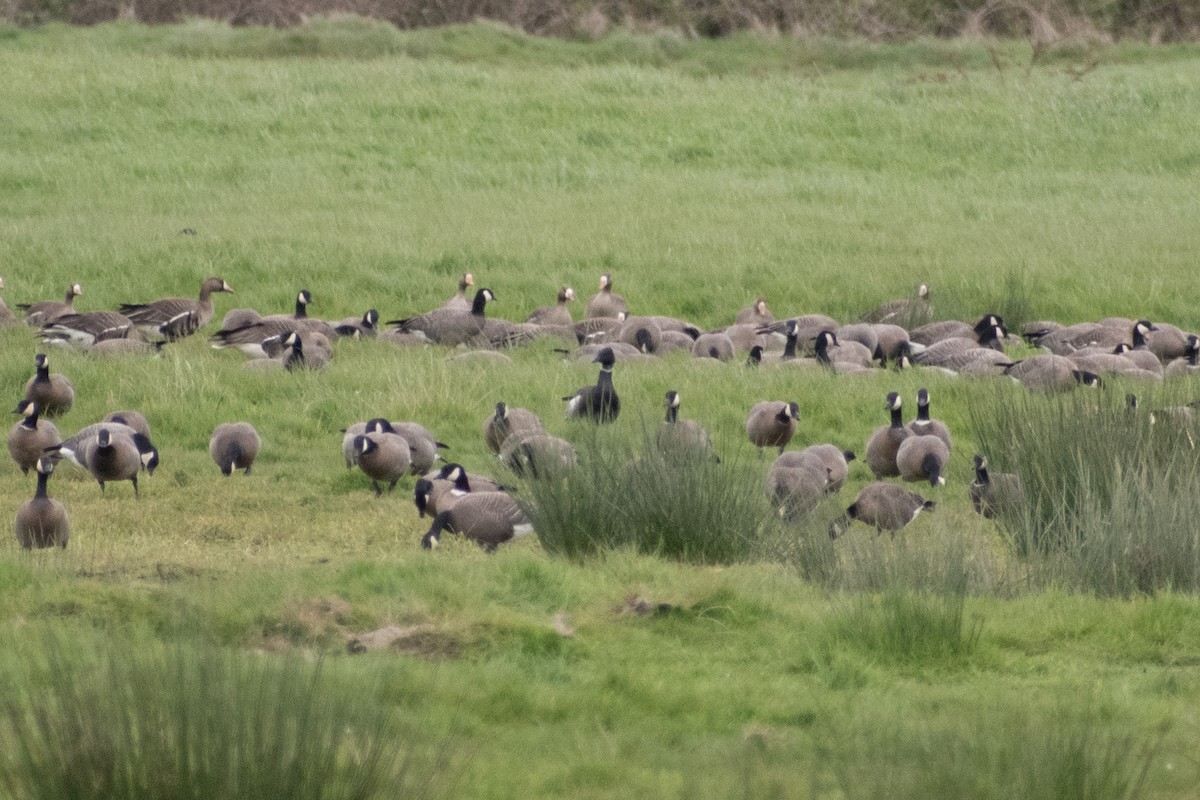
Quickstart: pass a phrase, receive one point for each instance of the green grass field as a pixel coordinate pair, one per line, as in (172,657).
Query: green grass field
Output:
(372,168)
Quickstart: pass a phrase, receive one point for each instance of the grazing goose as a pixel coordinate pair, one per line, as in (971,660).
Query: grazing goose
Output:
(886,440)
(795,485)
(996,495)
(686,438)
(459,301)
(757,314)
(505,422)
(30,437)
(605,303)
(46,311)
(88,328)
(488,518)
(883,506)
(7,317)
(1143,360)
(922,458)
(42,521)
(384,457)
(713,345)
(891,341)
(449,326)
(422,445)
(772,424)
(905,312)
(1189,365)
(924,426)
(234,445)
(53,393)
(557,314)
(598,402)
(175,317)
(830,458)
(641,332)
(134,419)
(538,455)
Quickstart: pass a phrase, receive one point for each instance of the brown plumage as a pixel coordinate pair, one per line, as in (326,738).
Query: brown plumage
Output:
(923,425)
(772,424)
(46,311)
(29,438)
(505,422)
(234,445)
(88,328)
(684,438)
(176,317)
(996,494)
(558,314)
(923,458)
(449,326)
(52,392)
(42,521)
(886,440)
(460,301)
(488,518)
(883,506)
(384,457)
(605,303)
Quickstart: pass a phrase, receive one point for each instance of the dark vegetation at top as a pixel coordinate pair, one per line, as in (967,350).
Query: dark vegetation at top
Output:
(1041,21)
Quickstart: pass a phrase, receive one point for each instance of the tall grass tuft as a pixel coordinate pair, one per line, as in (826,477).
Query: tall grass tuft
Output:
(665,502)
(195,723)
(1111,492)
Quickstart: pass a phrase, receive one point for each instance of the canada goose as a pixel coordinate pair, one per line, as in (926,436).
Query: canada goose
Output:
(713,345)
(234,445)
(134,419)
(922,458)
(488,518)
(670,341)
(598,402)
(116,348)
(45,311)
(113,455)
(436,492)
(176,317)
(557,314)
(537,455)
(422,445)
(906,312)
(758,313)
(956,351)
(883,506)
(1163,339)
(599,330)
(641,332)
(796,486)
(1189,365)
(53,393)
(7,317)
(890,340)
(384,457)
(684,437)
(42,521)
(30,437)
(830,458)
(449,326)
(1143,360)
(886,440)
(303,298)
(807,326)
(88,328)
(621,352)
(924,426)
(1116,363)
(363,327)
(465,482)
(848,357)
(459,301)
(75,448)
(1050,373)
(505,422)
(996,495)
(313,355)
(790,356)
(772,424)
(605,303)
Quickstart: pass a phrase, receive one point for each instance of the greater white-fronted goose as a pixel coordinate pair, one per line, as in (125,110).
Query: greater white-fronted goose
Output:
(173,318)
(598,402)
(883,506)
(52,392)
(234,445)
(756,314)
(384,457)
(29,438)
(42,521)
(557,314)
(46,311)
(459,301)
(88,328)
(907,312)
(606,303)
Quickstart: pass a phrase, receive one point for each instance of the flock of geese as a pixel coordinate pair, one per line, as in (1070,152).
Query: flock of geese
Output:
(899,333)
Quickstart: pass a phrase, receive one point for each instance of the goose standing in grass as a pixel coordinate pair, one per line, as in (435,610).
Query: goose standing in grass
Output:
(883,506)
(52,392)
(113,455)
(997,494)
(922,458)
(7,317)
(598,402)
(605,303)
(886,440)
(830,458)
(384,457)
(923,425)
(449,326)
(42,521)
(234,445)
(537,455)
(47,311)
(487,518)
(423,446)
(459,301)
(682,437)
(796,485)
(89,328)
(557,314)
(772,424)
(29,438)
(176,317)
(134,419)
(75,448)
(505,422)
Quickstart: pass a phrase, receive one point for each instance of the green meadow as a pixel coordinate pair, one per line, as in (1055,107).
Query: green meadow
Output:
(214,616)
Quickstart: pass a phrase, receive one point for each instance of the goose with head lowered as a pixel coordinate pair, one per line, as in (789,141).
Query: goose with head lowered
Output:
(923,425)
(42,521)
(448,326)
(487,518)
(883,506)
(176,317)
(598,402)
(384,457)
(922,458)
(997,494)
(113,454)
(234,445)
